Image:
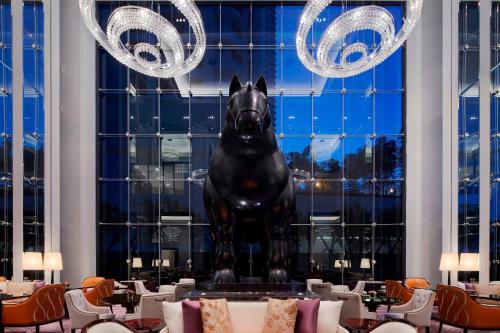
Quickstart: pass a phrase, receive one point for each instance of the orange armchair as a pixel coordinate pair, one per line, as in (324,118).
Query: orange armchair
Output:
(44,306)
(457,308)
(396,289)
(91,282)
(417,282)
(102,290)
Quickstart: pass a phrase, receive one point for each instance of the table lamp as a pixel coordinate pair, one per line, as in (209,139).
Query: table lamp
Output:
(52,262)
(365,263)
(337,264)
(449,262)
(165,263)
(156,263)
(469,262)
(137,263)
(32,261)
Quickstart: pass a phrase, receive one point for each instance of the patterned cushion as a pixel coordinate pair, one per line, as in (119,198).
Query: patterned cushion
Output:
(307,316)
(280,316)
(215,316)
(25,288)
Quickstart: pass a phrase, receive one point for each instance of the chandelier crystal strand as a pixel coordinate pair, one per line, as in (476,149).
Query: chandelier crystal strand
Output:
(172,62)
(373,18)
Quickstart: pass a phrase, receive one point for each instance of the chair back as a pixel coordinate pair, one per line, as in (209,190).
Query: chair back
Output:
(107,326)
(75,301)
(140,288)
(150,305)
(396,289)
(102,290)
(183,288)
(422,298)
(91,281)
(187,281)
(457,308)
(50,301)
(417,282)
(360,287)
(340,288)
(393,326)
(323,289)
(351,308)
(310,282)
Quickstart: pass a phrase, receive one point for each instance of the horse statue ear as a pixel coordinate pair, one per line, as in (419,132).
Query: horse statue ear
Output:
(261,85)
(235,85)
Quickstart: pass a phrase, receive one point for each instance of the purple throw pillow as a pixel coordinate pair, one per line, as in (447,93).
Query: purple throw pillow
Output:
(307,316)
(469,286)
(38,285)
(191,316)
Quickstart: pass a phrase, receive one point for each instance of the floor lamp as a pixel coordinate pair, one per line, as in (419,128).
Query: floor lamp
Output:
(52,262)
(449,262)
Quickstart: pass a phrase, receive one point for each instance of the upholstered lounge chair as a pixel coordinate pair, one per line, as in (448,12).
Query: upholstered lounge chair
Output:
(44,306)
(81,312)
(417,311)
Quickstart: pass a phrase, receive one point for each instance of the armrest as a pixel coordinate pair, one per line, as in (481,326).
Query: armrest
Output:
(21,313)
(340,329)
(401,308)
(96,309)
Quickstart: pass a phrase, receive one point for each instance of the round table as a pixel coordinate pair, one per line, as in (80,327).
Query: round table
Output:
(148,325)
(360,325)
(372,303)
(128,301)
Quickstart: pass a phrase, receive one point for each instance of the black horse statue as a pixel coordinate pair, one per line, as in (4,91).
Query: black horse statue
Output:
(249,192)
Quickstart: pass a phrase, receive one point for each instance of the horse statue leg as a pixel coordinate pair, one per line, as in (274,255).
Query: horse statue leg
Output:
(222,223)
(278,223)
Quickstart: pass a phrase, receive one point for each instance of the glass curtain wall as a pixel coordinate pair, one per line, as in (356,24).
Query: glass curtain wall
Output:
(495,143)
(347,133)
(5,139)
(33,125)
(468,131)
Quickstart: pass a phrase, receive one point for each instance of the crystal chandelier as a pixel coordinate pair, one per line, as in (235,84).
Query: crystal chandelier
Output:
(144,57)
(373,18)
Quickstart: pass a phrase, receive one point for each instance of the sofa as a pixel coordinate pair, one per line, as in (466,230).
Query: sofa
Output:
(17,288)
(248,317)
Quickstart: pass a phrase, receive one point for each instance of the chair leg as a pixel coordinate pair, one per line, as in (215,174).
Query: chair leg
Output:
(427,329)
(37,329)
(111,307)
(62,326)
(73,330)
(440,326)
(465,330)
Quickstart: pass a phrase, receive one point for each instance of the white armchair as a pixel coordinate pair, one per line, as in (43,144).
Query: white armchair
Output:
(310,282)
(353,307)
(150,306)
(418,310)
(81,312)
(140,288)
(393,326)
(360,287)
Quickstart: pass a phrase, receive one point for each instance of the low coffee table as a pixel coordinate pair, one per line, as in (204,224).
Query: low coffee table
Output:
(128,301)
(372,303)
(146,325)
(360,325)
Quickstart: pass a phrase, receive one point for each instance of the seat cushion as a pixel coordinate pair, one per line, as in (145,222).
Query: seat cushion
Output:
(280,316)
(391,315)
(328,316)
(191,314)
(25,288)
(107,316)
(172,312)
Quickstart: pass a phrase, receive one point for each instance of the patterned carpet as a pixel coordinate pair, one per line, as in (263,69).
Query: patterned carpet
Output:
(54,327)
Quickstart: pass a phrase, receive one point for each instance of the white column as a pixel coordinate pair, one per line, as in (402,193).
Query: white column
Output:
(450,131)
(52,183)
(77,151)
(424,145)
(17,140)
(484,139)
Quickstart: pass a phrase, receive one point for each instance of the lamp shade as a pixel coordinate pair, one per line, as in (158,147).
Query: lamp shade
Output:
(32,261)
(52,261)
(165,263)
(469,262)
(365,263)
(136,262)
(337,264)
(449,262)
(155,263)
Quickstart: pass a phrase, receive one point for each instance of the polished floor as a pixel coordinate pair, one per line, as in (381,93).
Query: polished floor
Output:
(54,327)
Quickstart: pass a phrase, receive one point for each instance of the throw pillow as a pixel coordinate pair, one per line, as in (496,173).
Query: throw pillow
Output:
(39,284)
(307,316)
(172,313)
(191,313)
(215,316)
(328,316)
(280,316)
